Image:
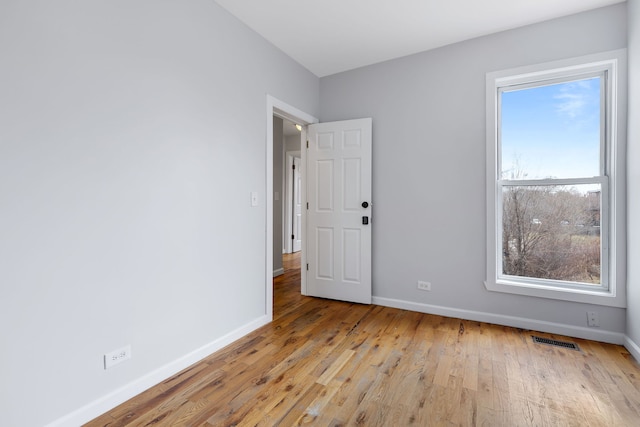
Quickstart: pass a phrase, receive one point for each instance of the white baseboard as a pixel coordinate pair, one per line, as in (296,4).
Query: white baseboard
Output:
(499,319)
(121,395)
(278,272)
(633,348)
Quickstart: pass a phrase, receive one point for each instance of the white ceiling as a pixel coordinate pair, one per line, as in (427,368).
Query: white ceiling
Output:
(330,36)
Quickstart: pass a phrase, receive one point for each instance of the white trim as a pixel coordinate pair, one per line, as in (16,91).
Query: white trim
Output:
(613,212)
(121,395)
(303,194)
(268,296)
(278,272)
(602,180)
(109,401)
(499,319)
(566,294)
(633,348)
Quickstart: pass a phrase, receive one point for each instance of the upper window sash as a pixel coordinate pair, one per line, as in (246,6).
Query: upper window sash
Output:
(557,75)
(570,74)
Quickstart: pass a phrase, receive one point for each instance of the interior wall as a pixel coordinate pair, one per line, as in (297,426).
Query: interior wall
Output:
(429,206)
(633,164)
(278,195)
(131,137)
(292,143)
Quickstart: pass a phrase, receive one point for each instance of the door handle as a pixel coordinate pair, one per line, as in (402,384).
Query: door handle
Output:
(365,204)
(365,220)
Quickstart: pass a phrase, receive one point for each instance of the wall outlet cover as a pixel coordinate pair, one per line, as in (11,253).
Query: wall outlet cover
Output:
(116,357)
(593,320)
(424,286)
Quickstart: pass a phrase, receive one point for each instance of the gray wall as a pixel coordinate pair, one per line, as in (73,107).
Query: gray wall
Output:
(429,162)
(292,143)
(278,186)
(131,136)
(633,164)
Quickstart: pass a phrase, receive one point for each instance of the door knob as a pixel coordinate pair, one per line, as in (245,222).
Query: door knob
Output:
(365,204)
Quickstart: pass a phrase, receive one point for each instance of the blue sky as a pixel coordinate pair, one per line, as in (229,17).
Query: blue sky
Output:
(552,131)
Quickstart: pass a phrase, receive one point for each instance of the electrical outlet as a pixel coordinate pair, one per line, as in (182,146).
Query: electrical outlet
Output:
(424,286)
(592,319)
(117,356)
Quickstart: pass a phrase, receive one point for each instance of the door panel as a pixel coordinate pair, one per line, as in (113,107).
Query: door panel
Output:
(324,253)
(324,193)
(352,254)
(339,181)
(351,185)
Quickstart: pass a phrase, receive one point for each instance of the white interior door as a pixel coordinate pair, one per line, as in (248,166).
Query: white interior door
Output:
(339,210)
(297,206)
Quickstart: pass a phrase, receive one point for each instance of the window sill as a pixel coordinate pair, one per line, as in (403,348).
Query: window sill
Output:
(596,297)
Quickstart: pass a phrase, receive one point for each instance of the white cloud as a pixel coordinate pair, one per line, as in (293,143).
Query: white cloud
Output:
(576,98)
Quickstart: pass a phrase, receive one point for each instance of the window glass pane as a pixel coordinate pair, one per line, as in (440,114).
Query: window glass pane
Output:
(551,131)
(552,232)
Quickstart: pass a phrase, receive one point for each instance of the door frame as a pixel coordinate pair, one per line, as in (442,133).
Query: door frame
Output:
(278,108)
(290,196)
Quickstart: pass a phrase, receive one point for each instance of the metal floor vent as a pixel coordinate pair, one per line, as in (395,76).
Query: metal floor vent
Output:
(563,344)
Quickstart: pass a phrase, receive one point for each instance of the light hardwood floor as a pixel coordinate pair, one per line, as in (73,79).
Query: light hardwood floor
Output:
(330,363)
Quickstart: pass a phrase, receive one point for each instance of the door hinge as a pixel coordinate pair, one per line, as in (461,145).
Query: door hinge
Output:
(307,205)
(307,143)
(307,266)
(293,237)
(294,167)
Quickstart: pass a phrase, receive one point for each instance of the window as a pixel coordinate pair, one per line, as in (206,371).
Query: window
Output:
(553,206)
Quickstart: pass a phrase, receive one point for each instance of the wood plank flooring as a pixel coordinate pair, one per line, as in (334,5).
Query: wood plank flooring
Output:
(330,363)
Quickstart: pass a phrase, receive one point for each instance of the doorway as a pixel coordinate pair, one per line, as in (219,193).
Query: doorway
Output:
(287,198)
(279,109)
(292,202)
(340,243)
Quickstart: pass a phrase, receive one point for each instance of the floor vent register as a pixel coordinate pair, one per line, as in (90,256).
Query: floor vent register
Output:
(556,343)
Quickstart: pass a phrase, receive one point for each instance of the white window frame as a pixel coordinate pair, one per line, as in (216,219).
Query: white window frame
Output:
(612,291)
